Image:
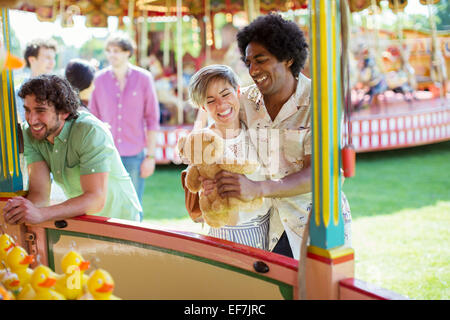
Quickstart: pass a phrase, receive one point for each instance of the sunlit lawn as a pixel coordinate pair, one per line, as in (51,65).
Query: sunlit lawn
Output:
(406,251)
(400,203)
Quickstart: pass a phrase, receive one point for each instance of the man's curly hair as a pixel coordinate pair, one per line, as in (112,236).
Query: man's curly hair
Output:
(280,37)
(55,91)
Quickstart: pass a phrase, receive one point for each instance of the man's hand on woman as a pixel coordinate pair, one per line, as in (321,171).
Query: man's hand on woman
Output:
(230,184)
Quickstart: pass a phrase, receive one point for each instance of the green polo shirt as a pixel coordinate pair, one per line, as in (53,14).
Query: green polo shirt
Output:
(85,146)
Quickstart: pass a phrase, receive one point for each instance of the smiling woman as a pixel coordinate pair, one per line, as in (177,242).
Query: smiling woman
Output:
(222,104)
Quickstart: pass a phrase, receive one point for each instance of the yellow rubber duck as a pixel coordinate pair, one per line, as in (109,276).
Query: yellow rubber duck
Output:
(71,283)
(43,281)
(21,292)
(12,283)
(18,261)
(5,294)
(101,285)
(6,244)
(3,273)
(26,293)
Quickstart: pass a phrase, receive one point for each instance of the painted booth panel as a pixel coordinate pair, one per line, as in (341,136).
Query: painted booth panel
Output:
(159,264)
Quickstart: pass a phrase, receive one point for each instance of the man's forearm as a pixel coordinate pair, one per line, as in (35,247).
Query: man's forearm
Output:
(291,185)
(38,199)
(87,203)
(39,186)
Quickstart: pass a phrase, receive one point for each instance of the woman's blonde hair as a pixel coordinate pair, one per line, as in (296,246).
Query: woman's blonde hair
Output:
(201,79)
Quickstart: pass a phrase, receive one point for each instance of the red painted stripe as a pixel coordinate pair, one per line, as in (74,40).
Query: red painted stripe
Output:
(331,261)
(357,117)
(86,217)
(429,121)
(7,198)
(370,290)
(215,242)
(400,146)
(319,258)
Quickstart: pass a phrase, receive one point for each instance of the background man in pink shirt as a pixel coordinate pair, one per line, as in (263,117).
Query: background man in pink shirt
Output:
(125,98)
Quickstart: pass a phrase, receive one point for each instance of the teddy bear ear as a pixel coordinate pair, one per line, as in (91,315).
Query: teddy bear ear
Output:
(180,145)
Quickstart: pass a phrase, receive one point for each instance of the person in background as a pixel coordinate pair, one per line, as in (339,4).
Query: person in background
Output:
(125,98)
(78,150)
(80,73)
(39,57)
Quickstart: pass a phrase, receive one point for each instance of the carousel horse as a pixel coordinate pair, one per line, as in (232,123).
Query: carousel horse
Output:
(397,81)
(403,81)
(373,79)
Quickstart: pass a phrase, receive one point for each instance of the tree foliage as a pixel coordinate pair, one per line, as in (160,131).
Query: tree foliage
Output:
(443,15)
(94,49)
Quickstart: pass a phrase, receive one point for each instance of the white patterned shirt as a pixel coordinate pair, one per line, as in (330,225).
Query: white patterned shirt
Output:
(282,145)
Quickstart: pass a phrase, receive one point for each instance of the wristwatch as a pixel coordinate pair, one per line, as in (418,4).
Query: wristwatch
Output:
(149,156)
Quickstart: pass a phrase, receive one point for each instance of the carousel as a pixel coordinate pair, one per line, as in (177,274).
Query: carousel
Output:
(400,91)
(107,258)
(398,79)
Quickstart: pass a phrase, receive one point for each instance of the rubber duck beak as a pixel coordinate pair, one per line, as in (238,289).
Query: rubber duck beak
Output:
(105,288)
(14,283)
(84,265)
(28,259)
(13,62)
(48,283)
(10,247)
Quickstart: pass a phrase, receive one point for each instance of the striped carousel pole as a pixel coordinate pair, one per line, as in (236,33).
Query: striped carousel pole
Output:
(11,183)
(10,175)
(327,258)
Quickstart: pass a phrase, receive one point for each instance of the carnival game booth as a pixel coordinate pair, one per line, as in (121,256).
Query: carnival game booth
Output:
(147,262)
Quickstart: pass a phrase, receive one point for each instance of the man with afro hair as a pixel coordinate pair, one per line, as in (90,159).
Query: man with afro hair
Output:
(277,112)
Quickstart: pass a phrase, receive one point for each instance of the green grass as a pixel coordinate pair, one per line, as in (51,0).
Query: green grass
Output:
(400,202)
(406,252)
(389,181)
(163,195)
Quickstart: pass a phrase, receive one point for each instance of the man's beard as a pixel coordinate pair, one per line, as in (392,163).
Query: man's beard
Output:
(48,131)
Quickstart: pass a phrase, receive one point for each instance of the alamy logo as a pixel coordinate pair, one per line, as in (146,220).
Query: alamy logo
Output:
(260,146)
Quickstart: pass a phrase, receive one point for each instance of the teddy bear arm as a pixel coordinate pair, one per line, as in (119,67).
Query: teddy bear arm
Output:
(192,182)
(205,204)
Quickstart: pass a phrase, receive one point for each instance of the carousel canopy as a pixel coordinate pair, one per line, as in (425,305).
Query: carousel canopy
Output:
(97,11)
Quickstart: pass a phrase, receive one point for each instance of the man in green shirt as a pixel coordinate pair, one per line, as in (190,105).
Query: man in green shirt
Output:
(78,150)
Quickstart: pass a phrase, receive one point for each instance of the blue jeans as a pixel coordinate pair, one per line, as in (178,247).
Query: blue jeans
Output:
(133,165)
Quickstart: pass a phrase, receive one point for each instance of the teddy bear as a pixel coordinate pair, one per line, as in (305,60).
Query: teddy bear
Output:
(203,150)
